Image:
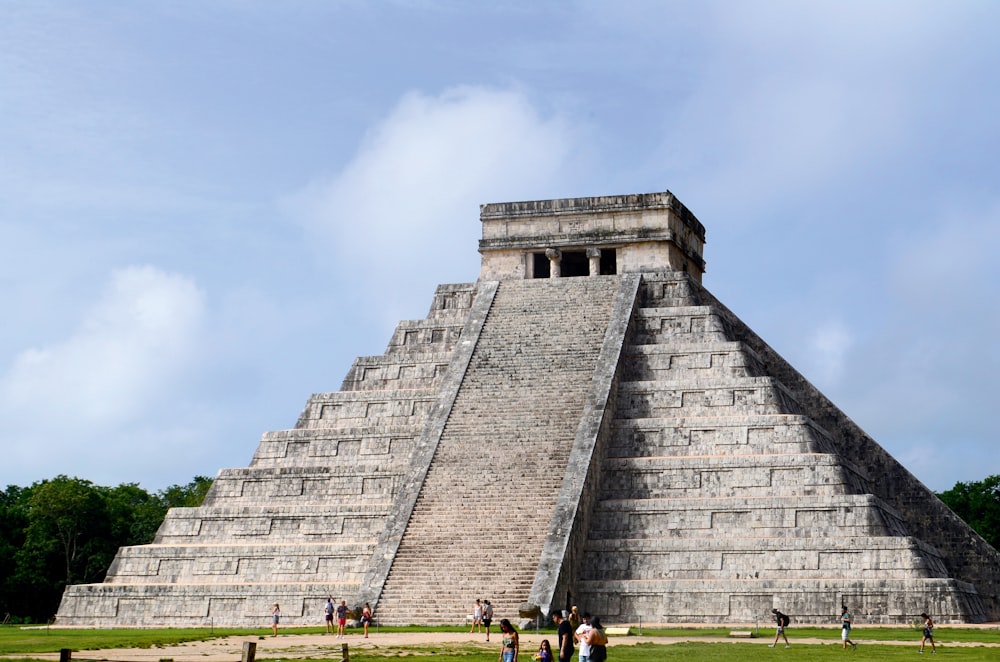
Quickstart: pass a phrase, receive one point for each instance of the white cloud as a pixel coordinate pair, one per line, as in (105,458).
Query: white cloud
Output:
(403,215)
(130,346)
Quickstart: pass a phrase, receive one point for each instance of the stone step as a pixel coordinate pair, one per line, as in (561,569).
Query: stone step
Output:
(390,373)
(722,476)
(683,361)
(200,605)
(267,524)
(716,435)
(487,441)
(755,558)
(791,516)
(807,600)
(749,396)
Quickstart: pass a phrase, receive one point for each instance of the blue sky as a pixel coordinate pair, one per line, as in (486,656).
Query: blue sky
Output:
(210,208)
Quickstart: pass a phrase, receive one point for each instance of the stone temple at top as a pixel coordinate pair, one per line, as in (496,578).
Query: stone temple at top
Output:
(585,423)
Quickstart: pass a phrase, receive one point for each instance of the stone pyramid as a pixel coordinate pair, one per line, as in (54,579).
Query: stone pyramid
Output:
(586,423)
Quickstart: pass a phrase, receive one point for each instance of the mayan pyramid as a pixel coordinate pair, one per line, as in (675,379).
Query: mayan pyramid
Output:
(584,423)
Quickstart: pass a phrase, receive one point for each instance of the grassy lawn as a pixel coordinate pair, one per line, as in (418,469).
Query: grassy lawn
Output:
(20,642)
(15,640)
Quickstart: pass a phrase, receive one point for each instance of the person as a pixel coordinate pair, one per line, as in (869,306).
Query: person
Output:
(341,619)
(845,628)
(564,636)
(366,617)
(487,617)
(328,610)
(597,641)
(477,617)
(544,653)
(928,633)
(782,622)
(275,617)
(574,618)
(511,646)
(580,635)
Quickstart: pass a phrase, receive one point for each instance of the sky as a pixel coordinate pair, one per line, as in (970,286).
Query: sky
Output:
(211,207)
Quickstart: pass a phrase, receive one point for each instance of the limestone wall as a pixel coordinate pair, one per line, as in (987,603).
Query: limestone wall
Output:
(651,232)
(968,557)
(723,496)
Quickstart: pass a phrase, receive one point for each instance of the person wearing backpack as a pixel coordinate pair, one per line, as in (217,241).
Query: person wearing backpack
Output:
(328,610)
(782,622)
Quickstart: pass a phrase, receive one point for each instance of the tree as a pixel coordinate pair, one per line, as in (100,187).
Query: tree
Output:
(65,525)
(133,516)
(68,530)
(191,495)
(66,514)
(13,522)
(978,503)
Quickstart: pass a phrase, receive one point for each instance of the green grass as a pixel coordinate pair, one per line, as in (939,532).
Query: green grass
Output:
(14,640)
(17,641)
(943,634)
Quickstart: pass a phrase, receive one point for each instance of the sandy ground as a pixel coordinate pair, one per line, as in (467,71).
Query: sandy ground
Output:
(327,646)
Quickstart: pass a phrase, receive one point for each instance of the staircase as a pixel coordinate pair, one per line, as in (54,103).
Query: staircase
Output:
(481,517)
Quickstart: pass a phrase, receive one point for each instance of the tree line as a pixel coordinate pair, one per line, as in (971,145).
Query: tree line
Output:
(67,530)
(978,503)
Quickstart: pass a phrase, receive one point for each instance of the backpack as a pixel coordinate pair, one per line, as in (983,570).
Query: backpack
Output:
(785,621)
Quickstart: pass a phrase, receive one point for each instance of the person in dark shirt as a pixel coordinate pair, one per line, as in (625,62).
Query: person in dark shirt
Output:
(564,636)
(928,634)
(341,619)
(487,617)
(782,622)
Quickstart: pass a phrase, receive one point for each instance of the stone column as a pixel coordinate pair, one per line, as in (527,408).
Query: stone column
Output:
(555,262)
(594,255)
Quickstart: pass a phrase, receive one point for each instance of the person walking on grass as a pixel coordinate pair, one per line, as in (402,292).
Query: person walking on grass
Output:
(782,622)
(544,653)
(341,619)
(846,621)
(366,617)
(487,617)
(564,636)
(275,617)
(511,645)
(928,634)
